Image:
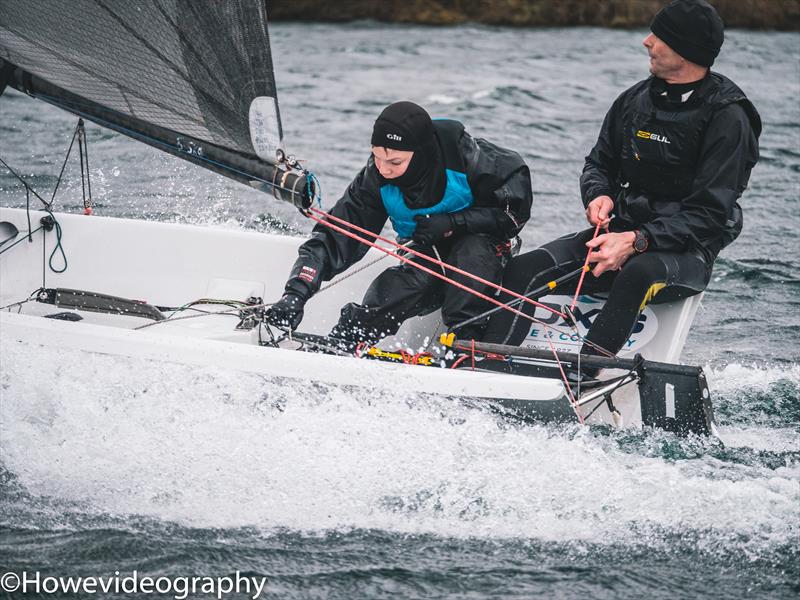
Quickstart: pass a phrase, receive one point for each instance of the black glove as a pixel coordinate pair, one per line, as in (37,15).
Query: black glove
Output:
(286,312)
(432,228)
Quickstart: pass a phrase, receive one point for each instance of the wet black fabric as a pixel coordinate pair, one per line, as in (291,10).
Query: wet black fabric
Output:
(407,126)
(675,91)
(501,187)
(500,182)
(424,181)
(405,291)
(684,275)
(677,171)
(402,126)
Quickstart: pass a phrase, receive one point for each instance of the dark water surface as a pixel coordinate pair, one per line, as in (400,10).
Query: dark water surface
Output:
(116,465)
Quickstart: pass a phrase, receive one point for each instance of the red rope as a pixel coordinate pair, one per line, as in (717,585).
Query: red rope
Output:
(583,273)
(572,401)
(444,278)
(420,355)
(472,276)
(473,354)
(459,360)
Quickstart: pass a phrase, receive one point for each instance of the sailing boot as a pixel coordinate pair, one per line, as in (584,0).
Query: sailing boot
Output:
(358,325)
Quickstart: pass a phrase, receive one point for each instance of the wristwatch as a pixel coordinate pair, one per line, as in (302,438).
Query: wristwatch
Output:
(640,242)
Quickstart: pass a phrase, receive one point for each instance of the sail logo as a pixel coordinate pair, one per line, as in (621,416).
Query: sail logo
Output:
(653,136)
(265,129)
(394,136)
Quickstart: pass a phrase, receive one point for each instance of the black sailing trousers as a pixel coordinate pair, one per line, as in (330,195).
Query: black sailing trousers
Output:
(405,291)
(651,277)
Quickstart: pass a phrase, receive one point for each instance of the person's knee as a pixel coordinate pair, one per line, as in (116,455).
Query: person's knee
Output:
(478,256)
(470,247)
(641,272)
(398,286)
(637,284)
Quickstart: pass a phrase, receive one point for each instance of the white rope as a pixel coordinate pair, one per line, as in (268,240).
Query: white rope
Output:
(351,273)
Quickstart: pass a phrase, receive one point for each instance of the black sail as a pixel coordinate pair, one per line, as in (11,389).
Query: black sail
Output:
(192,78)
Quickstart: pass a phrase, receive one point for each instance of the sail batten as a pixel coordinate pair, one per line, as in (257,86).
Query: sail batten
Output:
(192,78)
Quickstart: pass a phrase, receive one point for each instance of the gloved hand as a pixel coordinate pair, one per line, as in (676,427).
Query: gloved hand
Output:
(286,312)
(432,228)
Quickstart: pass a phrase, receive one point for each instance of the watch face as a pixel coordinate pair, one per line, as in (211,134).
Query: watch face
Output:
(640,243)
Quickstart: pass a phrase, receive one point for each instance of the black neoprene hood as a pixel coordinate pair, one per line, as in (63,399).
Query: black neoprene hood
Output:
(402,126)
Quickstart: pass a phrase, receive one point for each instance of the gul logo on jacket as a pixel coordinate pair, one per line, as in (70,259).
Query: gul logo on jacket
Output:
(652,136)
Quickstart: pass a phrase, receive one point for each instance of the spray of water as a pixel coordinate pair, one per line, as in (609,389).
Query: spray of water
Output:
(209,448)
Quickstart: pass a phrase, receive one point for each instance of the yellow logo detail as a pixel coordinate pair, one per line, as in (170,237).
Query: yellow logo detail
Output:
(652,136)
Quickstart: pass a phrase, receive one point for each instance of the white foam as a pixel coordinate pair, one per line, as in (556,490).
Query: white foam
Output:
(736,376)
(210,448)
(442,99)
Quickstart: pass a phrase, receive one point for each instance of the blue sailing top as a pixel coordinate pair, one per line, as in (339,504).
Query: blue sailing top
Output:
(457,196)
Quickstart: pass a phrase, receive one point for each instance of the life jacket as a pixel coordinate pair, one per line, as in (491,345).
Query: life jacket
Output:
(661,146)
(457,194)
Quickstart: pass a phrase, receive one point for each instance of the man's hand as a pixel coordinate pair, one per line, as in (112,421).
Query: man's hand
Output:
(599,210)
(286,312)
(611,250)
(432,228)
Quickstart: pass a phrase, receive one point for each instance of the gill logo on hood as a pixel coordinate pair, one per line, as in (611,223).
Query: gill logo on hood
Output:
(652,136)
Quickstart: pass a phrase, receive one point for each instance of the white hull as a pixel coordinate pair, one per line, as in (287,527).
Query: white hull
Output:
(171,265)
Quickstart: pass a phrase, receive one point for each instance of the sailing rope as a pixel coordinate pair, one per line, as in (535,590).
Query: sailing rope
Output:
(83,149)
(47,223)
(519,298)
(423,268)
(50,222)
(349,274)
(583,273)
(328,220)
(571,395)
(619,382)
(443,265)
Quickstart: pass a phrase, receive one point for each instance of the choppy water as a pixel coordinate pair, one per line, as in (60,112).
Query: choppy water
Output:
(111,465)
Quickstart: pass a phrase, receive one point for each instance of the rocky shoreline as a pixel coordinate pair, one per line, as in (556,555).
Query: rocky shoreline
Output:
(752,14)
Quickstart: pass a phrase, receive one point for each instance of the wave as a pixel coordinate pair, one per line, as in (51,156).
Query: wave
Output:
(208,448)
(756,271)
(757,395)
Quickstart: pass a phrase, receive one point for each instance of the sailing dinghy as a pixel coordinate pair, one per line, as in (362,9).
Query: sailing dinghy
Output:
(196,80)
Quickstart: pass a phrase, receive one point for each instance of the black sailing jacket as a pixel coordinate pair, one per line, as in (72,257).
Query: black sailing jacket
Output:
(676,169)
(498,178)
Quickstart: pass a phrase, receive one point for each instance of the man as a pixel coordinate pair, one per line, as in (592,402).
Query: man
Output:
(663,180)
(457,197)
